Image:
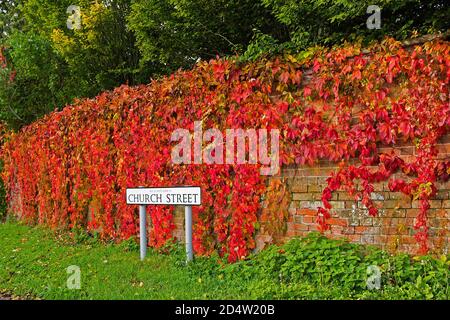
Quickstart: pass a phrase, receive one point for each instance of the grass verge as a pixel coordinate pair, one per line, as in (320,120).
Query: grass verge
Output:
(34,262)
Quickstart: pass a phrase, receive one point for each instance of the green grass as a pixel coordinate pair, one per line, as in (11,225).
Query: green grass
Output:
(33,261)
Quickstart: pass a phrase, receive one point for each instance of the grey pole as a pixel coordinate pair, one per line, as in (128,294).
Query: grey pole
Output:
(188,226)
(143,230)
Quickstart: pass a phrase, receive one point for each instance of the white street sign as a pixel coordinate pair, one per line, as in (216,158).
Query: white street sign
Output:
(178,196)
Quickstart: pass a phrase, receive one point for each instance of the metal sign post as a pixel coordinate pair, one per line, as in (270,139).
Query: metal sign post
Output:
(143,230)
(188,234)
(187,196)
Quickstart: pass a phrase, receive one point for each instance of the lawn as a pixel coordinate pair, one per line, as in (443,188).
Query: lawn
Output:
(34,262)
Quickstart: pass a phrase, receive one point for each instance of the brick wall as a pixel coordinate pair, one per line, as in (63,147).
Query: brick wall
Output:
(392,229)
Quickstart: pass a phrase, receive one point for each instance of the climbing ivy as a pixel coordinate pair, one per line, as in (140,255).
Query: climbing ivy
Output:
(71,168)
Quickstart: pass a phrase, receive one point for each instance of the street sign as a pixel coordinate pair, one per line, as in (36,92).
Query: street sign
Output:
(185,196)
(178,196)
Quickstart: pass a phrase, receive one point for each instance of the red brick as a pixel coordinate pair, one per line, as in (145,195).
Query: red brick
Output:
(412,213)
(408,240)
(407,150)
(354,237)
(307,212)
(345,196)
(299,185)
(309,219)
(318,196)
(443,185)
(287,173)
(387,150)
(434,204)
(443,213)
(294,205)
(445,139)
(291,233)
(442,195)
(367,221)
(314,188)
(396,195)
(404,202)
(392,228)
(374,230)
(300,227)
(379,196)
(349,204)
(367,239)
(336,230)
(396,213)
(378,186)
(290,226)
(342,213)
(338,222)
(348,230)
(310,204)
(443,148)
(393,204)
(337,204)
(377,221)
(392,231)
(380,239)
(431,213)
(360,229)
(302,196)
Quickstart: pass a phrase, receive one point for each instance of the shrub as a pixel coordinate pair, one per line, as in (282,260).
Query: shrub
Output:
(315,267)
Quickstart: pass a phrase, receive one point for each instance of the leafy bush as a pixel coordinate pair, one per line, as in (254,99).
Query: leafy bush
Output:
(312,22)
(315,267)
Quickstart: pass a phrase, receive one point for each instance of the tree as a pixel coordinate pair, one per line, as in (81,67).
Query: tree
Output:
(9,17)
(102,53)
(53,64)
(313,22)
(177,33)
(130,41)
(31,79)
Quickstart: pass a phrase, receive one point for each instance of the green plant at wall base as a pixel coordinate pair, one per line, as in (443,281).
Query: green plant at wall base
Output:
(317,267)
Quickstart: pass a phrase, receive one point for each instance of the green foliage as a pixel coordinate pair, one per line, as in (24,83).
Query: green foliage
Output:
(329,263)
(177,33)
(37,87)
(327,22)
(33,262)
(319,268)
(54,64)
(102,54)
(9,17)
(264,45)
(130,41)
